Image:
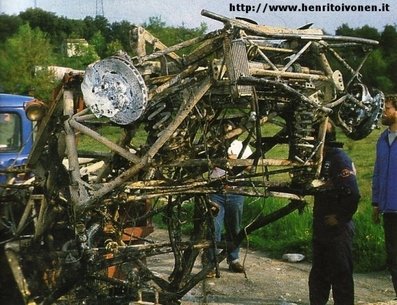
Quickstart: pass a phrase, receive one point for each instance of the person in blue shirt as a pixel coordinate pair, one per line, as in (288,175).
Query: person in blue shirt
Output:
(384,187)
(230,214)
(333,230)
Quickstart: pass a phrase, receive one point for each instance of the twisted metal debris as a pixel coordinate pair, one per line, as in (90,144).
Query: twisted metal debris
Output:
(80,232)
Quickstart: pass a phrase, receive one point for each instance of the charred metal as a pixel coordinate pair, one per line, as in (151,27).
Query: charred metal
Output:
(79,231)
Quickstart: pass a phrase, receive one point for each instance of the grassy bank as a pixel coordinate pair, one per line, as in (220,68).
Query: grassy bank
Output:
(293,232)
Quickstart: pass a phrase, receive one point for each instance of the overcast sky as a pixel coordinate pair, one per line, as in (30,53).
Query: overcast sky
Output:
(188,12)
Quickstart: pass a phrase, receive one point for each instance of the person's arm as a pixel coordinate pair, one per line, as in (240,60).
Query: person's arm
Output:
(344,178)
(376,214)
(375,192)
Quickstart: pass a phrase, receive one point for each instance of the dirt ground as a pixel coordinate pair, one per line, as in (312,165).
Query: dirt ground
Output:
(276,282)
(273,282)
(266,282)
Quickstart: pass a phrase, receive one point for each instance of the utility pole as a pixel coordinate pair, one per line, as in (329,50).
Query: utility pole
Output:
(99,8)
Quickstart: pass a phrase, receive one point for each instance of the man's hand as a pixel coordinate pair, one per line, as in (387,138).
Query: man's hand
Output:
(232,156)
(331,220)
(375,215)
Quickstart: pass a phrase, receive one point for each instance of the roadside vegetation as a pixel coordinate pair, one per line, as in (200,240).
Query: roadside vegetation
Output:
(292,234)
(36,38)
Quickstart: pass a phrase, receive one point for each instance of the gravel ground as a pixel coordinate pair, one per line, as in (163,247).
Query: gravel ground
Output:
(266,282)
(274,282)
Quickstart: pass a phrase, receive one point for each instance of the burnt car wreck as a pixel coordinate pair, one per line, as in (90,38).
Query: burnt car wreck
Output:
(77,233)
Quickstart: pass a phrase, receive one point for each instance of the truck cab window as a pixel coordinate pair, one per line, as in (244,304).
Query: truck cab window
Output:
(10,131)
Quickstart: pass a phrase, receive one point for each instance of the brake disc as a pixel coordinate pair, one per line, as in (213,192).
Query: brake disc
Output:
(114,88)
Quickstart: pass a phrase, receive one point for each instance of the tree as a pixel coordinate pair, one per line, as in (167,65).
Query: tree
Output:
(94,25)
(367,32)
(388,40)
(173,35)
(388,44)
(379,70)
(363,32)
(344,30)
(375,72)
(19,59)
(47,22)
(99,43)
(114,47)
(8,26)
(57,29)
(121,33)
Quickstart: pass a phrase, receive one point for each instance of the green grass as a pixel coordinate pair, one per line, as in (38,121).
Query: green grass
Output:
(112,133)
(293,232)
(368,246)
(369,250)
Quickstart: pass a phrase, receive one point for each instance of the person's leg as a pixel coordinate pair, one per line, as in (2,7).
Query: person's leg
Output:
(219,199)
(233,218)
(342,272)
(390,230)
(319,281)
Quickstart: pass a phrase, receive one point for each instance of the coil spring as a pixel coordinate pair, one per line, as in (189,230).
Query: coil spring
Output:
(159,115)
(162,117)
(302,144)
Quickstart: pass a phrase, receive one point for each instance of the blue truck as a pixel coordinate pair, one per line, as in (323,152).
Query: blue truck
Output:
(16,140)
(16,134)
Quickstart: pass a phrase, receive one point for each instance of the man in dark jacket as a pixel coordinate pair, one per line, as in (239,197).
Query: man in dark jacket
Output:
(333,228)
(384,190)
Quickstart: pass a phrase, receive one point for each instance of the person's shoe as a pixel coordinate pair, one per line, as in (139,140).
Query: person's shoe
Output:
(211,274)
(204,259)
(236,267)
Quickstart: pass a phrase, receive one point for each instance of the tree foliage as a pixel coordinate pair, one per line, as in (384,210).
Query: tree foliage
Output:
(20,58)
(9,25)
(172,35)
(380,70)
